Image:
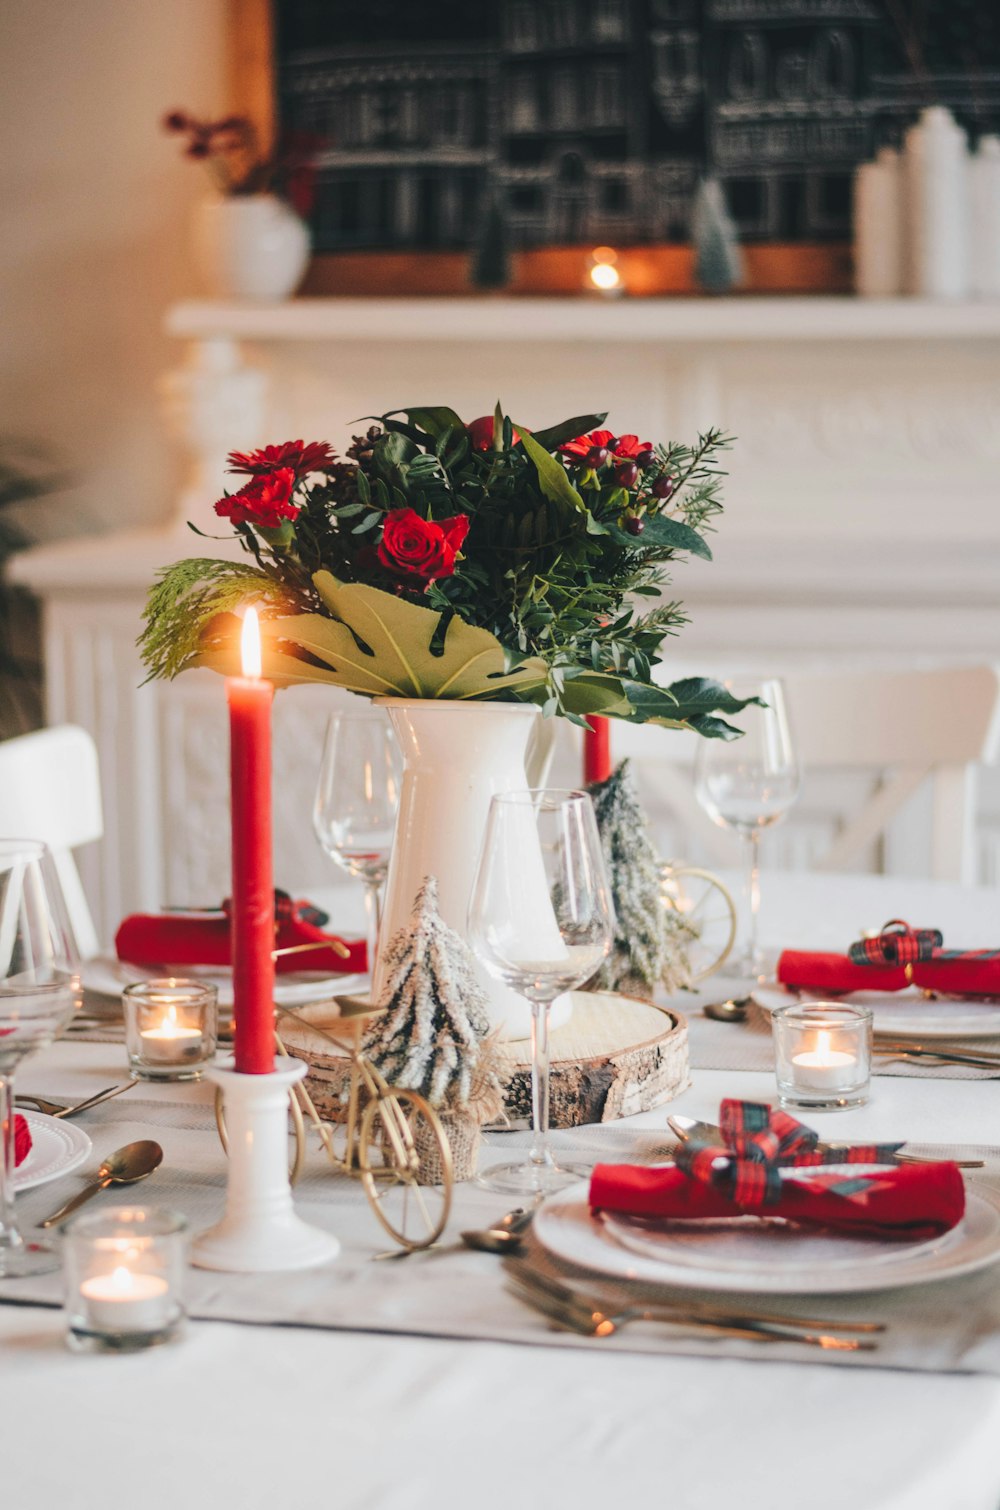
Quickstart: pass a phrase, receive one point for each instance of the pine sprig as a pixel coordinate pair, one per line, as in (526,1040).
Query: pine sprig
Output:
(184,600)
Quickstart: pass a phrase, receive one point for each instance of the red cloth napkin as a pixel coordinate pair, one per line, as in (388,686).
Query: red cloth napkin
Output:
(22,1139)
(190,938)
(910,1201)
(966,976)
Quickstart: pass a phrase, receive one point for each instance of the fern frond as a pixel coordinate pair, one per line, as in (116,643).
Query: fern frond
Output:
(184,600)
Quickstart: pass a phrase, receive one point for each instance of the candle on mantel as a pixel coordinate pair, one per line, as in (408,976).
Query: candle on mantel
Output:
(597,750)
(252,924)
(824,1068)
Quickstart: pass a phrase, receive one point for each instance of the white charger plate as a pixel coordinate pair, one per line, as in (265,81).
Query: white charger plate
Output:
(907,1014)
(57,1147)
(106,976)
(760,1257)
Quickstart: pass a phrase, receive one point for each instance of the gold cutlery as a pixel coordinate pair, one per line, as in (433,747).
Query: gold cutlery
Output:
(940,1055)
(60,1109)
(123,1167)
(579,1314)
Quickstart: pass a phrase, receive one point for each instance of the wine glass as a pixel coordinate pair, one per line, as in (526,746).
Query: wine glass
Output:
(39,990)
(354,813)
(749,784)
(541,920)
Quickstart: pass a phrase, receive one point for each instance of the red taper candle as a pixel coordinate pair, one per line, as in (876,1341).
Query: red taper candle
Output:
(597,750)
(249,698)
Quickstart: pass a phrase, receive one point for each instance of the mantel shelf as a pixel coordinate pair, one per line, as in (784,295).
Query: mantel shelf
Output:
(588,320)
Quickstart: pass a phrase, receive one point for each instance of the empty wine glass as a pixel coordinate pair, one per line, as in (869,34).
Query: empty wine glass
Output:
(749,784)
(541,920)
(354,813)
(39,989)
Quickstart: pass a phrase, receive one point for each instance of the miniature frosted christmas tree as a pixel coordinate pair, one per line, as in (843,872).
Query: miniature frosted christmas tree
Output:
(430,1036)
(650,938)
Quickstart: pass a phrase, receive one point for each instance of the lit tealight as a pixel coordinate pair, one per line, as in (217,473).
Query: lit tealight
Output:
(604,275)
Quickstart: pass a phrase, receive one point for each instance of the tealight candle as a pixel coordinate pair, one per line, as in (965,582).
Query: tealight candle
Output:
(123,1270)
(170,1028)
(822,1054)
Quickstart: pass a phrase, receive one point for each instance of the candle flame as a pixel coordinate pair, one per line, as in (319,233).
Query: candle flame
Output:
(822,1050)
(250,645)
(121,1280)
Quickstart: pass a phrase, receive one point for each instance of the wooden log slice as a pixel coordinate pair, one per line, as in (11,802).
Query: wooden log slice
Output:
(616,1056)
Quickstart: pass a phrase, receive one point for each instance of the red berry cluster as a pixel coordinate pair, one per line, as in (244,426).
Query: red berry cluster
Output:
(629,457)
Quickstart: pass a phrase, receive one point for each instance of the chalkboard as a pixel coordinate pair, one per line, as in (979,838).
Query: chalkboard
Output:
(592,121)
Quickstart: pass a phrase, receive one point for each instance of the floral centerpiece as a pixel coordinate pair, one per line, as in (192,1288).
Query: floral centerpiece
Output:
(448,568)
(441,559)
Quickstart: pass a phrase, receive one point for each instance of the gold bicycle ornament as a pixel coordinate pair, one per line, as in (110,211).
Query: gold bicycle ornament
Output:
(706,905)
(381,1139)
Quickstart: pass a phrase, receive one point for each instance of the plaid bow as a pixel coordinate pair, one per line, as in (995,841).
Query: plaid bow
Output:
(759,1141)
(286,910)
(896,944)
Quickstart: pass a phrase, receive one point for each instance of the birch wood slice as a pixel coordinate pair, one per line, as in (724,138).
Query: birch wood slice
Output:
(616,1056)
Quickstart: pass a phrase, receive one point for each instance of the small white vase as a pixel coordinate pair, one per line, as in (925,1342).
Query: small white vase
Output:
(250,246)
(456,756)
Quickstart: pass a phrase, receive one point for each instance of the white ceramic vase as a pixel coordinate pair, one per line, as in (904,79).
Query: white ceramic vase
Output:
(456,756)
(251,246)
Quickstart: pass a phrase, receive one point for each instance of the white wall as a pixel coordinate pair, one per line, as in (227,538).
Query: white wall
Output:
(93,236)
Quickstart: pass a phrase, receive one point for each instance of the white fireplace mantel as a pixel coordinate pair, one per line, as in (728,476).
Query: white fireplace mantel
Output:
(861,512)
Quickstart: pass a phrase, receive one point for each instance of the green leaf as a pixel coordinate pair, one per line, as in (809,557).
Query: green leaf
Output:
(439,423)
(661,531)
(552,478)
(702,693)
(568,429)
(378,644)
(364,490)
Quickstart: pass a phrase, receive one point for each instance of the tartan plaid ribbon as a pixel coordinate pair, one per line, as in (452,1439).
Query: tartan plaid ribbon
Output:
(897,944)
(758,1141)
(287,910)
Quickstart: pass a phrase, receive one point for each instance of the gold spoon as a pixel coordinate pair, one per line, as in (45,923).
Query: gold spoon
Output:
(733,1010)
(123,1167)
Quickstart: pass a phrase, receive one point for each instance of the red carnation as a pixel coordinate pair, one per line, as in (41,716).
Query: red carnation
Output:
(415,547)
(264,502)
(314,457)
(580,448)
(480,433)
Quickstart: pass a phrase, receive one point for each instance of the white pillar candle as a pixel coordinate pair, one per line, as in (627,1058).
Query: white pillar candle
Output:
(125,1302)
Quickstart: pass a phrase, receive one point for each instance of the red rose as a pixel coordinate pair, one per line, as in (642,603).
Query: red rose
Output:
(22,1139)
(416,547)
(314,457)
(264,502)
(480,433)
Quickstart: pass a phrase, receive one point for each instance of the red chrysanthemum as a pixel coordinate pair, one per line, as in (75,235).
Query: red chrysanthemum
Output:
(631,446)
(264,502)
(314,457)
(580,448)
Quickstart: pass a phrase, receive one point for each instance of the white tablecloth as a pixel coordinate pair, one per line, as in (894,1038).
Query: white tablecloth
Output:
(257,1417)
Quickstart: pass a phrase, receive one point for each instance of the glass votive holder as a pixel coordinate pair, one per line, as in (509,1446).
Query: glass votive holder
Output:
(171,1027)
(822,1054)
(124,1272)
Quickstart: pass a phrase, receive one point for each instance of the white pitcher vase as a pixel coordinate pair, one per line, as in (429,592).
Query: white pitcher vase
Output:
(456,756)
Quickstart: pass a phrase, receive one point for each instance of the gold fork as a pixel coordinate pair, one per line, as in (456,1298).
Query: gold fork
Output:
(592,1321)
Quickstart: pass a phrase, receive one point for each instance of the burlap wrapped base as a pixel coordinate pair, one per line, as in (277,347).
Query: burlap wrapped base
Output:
(464,1136)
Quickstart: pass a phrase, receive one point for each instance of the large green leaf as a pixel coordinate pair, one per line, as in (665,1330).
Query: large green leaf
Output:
(436,422)
(378,644)
(552,477)
(569,429)
(661,531)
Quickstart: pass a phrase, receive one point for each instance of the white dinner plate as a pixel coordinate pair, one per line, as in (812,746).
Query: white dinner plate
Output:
(57,1147)
(908,1014)
(106,976)
(764,1257)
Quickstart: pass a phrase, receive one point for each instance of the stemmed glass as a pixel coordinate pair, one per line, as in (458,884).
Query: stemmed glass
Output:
(354,813)
(749,784)
(39,990)
(541,920)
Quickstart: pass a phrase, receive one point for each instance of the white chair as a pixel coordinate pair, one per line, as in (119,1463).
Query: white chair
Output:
(905,728)
(50,790)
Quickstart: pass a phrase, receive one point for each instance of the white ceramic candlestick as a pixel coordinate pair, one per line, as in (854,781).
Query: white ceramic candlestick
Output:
(260,1231)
